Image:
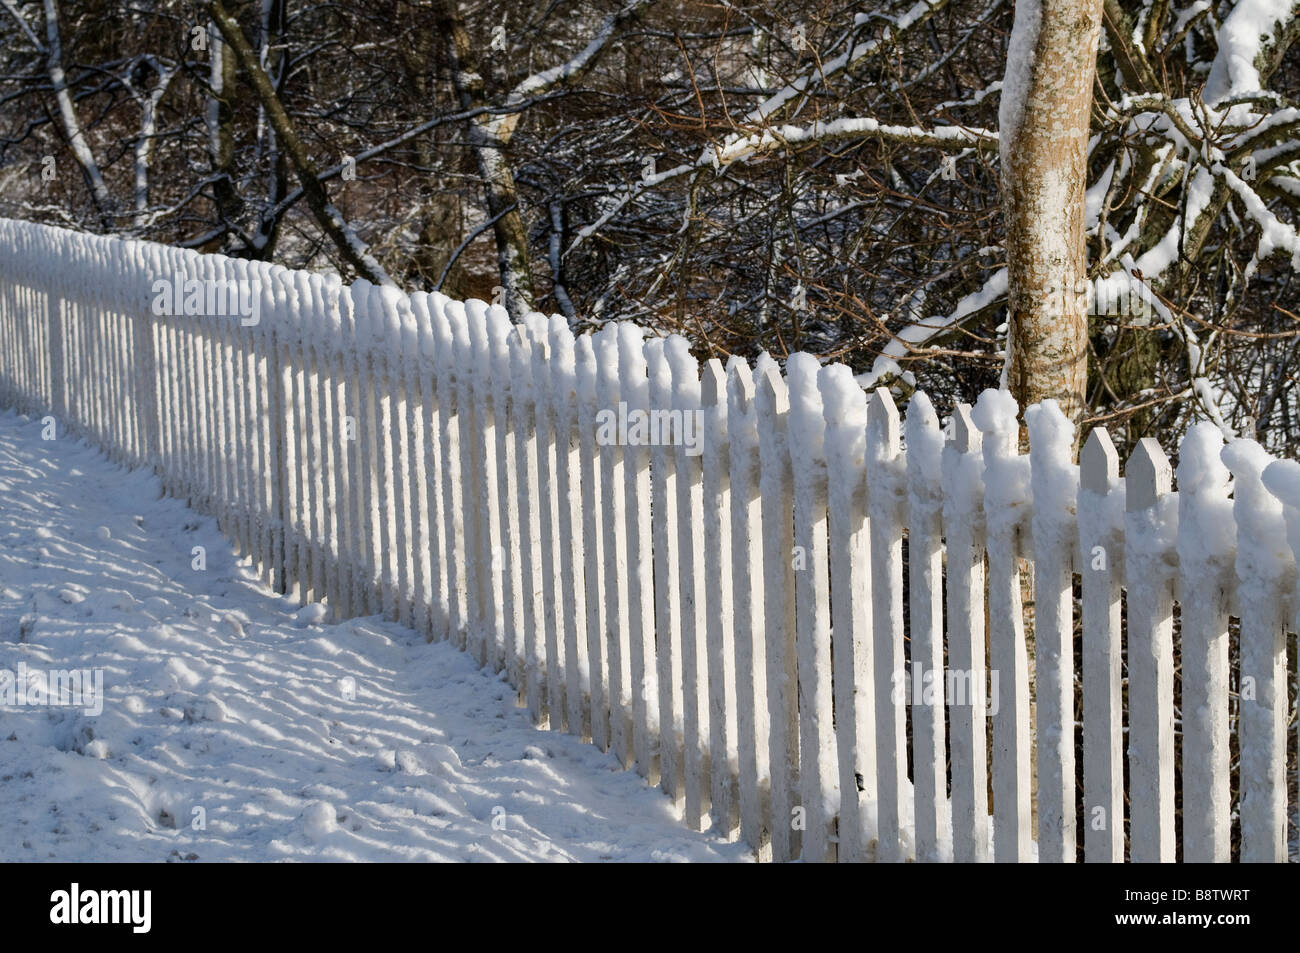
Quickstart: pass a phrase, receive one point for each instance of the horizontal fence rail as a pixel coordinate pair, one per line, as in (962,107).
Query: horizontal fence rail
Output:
(800,615)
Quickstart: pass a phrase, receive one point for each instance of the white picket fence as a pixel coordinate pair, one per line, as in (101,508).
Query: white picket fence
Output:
(731,622)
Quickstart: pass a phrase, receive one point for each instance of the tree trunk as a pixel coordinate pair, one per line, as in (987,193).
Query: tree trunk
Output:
(489,136)
(1046,105)
(221,132)
(350,247)
(503,206)
(71,125)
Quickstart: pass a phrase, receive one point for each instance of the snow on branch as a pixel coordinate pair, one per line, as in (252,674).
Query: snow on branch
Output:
(913,335)
(743,146)
(23,25)
(1274,234)
(916,15)
(540,83)
(1244,41)
(761,116)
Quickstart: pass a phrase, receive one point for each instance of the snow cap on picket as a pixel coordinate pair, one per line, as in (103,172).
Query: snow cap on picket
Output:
(995,412)
(458,352)
(499,327)
(1282,479)
(562,355)
(537,325)
(631,365)
(844,406)
(658,370)
(1200,463)
(437,301)
(307,310)
(924,436)
(423,326)
(807,425)
(843,400)
(686,371)
(266,293)
(410,328)
(478,358)
(585,368)
(606,346)
(359,292)
(390,301)
(441,327)
(1050,431)
(521,364)
(1261,526)
(1207,535)
(288,301)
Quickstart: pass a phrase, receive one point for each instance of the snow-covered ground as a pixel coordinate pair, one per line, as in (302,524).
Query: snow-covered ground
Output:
(232,731)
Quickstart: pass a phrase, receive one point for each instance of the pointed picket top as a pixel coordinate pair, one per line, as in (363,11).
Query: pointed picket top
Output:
(740,386)
(966,437)
(541,349)
(1098,462)
(521,340)
(1148,475)
(882,424)
(713,384)
(605,344)
(773,397)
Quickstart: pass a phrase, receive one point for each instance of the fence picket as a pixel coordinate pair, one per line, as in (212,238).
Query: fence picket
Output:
(668,606)
(696,787)
(568,495)
(640,559)
(855,717)
(1054,483)
(1205,549)
(995,414)
(963,490)
(717,584)
(925,602)
(1150,655)
(1102,554)
(818,771)
(747,605)
(613,488)
(884,466)
(776,488)
(1262,566)
(593,542)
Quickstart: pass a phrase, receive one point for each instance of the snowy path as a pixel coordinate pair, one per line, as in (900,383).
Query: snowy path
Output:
(216,698)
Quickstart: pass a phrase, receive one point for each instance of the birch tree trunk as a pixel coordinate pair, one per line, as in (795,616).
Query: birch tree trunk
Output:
(221,127)
(69,121)
(351,248)
(1046,104)
(489,135)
